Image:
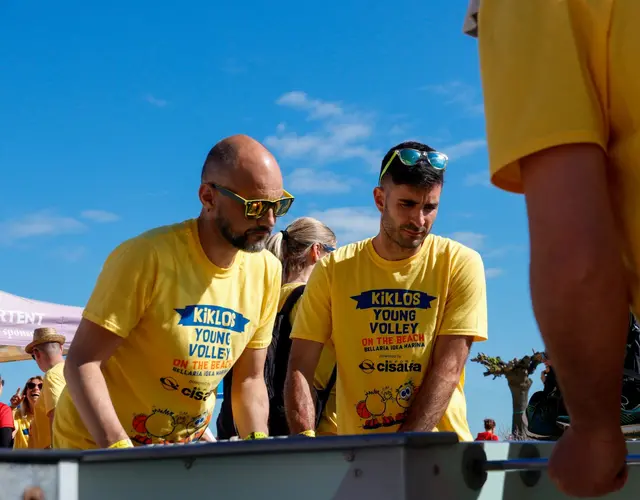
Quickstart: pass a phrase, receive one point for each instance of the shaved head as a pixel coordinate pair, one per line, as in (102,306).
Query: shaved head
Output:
(238,161)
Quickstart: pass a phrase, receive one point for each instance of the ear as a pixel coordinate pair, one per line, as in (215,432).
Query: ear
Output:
(379,198)
(205,193)
(314,253)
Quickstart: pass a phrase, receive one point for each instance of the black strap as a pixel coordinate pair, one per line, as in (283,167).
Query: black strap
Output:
(324,394)
(290,303)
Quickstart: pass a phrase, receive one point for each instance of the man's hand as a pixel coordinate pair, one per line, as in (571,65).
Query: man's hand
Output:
(575,471)
(92,345)
(16,399)
(580,300)
(428,407)
(249,397)
(299,395)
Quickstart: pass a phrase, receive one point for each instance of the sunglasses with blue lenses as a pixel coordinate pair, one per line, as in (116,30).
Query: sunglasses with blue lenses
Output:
(411,157)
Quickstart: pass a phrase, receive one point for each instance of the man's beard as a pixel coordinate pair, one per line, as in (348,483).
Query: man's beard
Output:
(394,233)
(241,242)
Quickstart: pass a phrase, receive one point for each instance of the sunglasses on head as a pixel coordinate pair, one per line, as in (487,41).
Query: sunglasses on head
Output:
(411,157)
(33,385)
(256,209)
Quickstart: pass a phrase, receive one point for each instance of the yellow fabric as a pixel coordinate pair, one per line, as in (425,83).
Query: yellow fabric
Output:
(123,443)
(552,74)
(558,72)
(383,318)
(328,425)
(53,384)
(22,425)
(184,322)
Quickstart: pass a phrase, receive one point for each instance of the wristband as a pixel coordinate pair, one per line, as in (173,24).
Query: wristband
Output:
(256,435)
(123,443)
(309,434)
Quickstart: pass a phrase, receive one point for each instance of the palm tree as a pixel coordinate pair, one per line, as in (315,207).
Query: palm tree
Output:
(517,372)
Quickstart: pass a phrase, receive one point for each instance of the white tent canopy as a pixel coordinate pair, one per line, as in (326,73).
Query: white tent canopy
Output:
(20,316)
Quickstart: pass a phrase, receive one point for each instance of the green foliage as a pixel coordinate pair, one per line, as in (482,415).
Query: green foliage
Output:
(496,367)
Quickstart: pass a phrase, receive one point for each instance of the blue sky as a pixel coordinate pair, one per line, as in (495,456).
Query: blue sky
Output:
(109,110)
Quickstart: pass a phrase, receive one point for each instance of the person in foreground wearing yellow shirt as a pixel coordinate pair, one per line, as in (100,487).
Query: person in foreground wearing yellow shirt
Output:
(401,309)
(174,309)
(46,348)
(23,404)
(560,82)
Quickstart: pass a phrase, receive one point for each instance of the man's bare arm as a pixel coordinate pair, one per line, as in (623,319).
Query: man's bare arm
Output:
(249,397)
(92,346)
(449,357)
(578,285)
(299,395)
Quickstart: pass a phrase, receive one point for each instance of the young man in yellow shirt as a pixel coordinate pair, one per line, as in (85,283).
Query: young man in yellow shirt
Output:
(174,309)
(560,81)
(402,310)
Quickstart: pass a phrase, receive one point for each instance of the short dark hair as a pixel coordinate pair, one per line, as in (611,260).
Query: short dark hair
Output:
(222,155)
(421,175)
(489,424)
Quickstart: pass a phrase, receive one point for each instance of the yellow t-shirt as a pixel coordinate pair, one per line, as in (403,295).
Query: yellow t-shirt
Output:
(383,318)
(328,425)
(53,384)
(184,322)
(22,424)
(563,72)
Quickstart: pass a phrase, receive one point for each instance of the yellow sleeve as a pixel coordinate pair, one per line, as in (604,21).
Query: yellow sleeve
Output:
(124,287)
(313,315)
(544,77)
(465,311)
(52,387)
(264,333)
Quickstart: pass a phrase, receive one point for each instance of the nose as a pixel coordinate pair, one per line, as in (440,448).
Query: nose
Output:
(418,218)
(269,219)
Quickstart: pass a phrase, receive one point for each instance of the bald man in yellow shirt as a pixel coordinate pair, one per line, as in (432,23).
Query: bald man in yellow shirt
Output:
(560,81)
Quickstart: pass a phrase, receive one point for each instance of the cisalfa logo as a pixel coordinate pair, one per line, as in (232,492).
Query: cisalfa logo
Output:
(169,384)
(367,366)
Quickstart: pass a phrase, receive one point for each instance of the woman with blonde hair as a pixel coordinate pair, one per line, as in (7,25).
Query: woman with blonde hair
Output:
(23,404)
(303,243)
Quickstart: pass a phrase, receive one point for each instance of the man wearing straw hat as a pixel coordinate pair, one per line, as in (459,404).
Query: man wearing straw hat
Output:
(46,350)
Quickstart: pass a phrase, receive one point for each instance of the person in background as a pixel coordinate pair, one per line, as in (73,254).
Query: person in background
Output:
(401,309)
(23,404)
(569,143)
(174,309)
(46,348)
(6,422)
(488,434)
(298,247)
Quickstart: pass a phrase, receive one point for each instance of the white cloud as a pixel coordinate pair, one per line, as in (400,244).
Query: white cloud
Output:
(459,94)
(99,216)
(478,179)
(339,134)
(350,223)
(316,108)
(470,239)
(464,148)
(308,180)
(154,101)
(493,272)
(42,223)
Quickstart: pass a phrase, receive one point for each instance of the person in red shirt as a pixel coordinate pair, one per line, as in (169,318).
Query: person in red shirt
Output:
(488,435)
(6,422)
